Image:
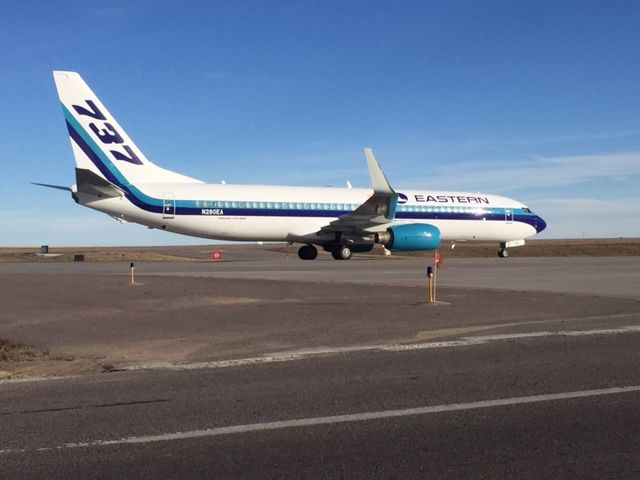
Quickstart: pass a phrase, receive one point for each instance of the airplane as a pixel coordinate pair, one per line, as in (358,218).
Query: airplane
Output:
(113,176)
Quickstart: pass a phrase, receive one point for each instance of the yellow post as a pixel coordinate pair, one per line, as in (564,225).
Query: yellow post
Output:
(431,291)
(436,264)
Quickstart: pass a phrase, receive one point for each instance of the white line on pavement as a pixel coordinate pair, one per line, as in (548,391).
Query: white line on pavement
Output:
(335,419)
(305,354)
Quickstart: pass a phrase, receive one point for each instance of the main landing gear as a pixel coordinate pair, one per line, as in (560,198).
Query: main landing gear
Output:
(307,252)
(339,252)
(503,253)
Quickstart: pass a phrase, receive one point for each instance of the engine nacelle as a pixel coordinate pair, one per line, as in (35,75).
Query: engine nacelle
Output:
(414,236)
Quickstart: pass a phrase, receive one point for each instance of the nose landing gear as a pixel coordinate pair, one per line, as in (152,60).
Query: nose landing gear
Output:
(503,252)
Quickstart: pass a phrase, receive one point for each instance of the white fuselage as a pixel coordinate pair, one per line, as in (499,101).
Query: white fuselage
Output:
(281,213)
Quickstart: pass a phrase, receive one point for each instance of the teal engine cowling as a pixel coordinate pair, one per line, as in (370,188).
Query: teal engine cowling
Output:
(414,236)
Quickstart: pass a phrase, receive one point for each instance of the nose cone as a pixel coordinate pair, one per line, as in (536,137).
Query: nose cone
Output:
(539,224)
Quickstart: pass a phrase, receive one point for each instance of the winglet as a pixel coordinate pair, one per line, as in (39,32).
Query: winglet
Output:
(379,181)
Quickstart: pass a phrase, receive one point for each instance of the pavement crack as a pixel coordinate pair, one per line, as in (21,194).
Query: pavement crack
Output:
(86,407)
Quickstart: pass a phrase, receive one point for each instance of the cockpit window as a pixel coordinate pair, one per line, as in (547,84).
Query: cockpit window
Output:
(526,210)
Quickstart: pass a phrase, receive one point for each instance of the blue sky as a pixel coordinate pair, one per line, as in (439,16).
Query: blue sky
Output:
(535,100)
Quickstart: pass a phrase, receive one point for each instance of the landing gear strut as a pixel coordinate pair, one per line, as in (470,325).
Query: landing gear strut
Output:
(503,252)
(307,252)
(341,252)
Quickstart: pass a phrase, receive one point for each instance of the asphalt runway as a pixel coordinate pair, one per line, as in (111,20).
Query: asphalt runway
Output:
(263,366)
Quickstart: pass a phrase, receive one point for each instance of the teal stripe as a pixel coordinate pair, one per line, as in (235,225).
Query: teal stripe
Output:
(124,183)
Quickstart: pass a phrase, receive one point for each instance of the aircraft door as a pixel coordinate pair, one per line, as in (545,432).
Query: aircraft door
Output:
(168,205)
(508,215)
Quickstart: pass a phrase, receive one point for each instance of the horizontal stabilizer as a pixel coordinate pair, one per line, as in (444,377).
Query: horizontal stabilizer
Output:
(57,187)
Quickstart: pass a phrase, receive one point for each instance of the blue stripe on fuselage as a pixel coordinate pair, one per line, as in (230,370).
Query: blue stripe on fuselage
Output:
(188,207)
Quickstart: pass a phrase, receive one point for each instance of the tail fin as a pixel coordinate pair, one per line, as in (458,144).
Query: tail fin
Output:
(99,143)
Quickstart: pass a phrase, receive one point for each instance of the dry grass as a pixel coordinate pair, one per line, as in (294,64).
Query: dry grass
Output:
(533,248)
(20,361)
(12,353)
(90,255)
(551,248)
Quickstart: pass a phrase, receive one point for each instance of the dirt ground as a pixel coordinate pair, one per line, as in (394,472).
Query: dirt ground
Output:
(79,325)
(533,248)
(87,322)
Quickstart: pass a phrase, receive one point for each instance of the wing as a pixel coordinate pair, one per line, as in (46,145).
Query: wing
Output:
(378,210)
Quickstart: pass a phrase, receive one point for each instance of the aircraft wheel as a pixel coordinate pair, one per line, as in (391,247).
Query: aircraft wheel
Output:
(503,253)
(307,252)
(342,253)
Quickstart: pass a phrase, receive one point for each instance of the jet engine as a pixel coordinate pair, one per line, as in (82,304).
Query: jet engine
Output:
(414,236)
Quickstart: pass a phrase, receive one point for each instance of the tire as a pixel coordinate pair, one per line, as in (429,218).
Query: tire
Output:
(307,252)
(503,253)
(345,253)
(342,253)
